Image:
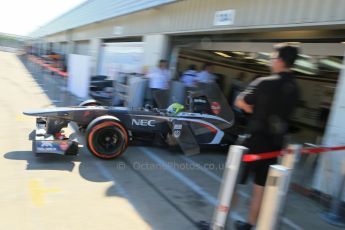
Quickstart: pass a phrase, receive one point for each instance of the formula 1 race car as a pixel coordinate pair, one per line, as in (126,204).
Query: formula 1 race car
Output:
(109,130)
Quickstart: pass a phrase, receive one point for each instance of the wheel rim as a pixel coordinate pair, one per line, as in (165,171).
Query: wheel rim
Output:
(108,141)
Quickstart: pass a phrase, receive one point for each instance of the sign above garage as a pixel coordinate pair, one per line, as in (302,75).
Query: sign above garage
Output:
(224,18)
(117,30)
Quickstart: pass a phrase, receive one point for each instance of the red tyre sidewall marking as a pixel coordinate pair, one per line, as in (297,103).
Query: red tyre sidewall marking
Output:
(102,125)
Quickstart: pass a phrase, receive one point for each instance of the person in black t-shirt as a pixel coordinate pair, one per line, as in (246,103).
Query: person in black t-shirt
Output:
(270,101)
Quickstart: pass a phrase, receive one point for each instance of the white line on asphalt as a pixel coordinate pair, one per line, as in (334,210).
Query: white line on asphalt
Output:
(243,194)
(210,174)
(192,185)
(202,168)
(107,175)
(291,224)
(235,216)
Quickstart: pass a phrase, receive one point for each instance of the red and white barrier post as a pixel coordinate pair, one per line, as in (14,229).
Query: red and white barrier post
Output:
(276,188)
(227,189)
(293,153)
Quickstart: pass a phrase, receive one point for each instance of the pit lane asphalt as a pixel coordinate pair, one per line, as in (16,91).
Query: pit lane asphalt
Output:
(147,188)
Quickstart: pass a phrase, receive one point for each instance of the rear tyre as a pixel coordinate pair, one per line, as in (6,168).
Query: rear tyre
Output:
(106,137)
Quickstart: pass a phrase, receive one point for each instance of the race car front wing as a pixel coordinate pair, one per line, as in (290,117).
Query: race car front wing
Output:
(47,144)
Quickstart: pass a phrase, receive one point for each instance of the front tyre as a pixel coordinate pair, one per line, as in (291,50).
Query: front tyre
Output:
(106,137)
(90,102)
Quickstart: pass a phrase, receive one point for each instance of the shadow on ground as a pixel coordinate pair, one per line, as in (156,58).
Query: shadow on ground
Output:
(86,163)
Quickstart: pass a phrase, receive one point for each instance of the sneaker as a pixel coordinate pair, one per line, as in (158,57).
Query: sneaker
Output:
(240,225)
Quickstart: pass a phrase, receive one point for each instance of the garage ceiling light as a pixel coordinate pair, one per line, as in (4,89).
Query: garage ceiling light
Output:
(303,71)
(262,63)
(304,56)
(222,54)
(306,64)
(265,54)
(263,60)
(238,53)
(331,63)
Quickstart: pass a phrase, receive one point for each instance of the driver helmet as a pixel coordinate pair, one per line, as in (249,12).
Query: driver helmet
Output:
(175,108)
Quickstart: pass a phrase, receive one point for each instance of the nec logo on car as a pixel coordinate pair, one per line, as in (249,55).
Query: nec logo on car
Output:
(145,123)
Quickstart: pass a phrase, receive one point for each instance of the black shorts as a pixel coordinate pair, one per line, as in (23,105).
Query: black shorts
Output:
(258,169)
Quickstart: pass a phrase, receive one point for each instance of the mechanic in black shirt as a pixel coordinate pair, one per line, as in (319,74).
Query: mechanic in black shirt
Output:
(270,101)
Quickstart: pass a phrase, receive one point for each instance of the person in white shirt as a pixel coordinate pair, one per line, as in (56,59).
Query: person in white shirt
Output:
(206,76)
(189,77)
(160,76)
(159,79)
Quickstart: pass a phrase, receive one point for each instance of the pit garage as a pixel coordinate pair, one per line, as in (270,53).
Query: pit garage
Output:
(238,63)
(240,58)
